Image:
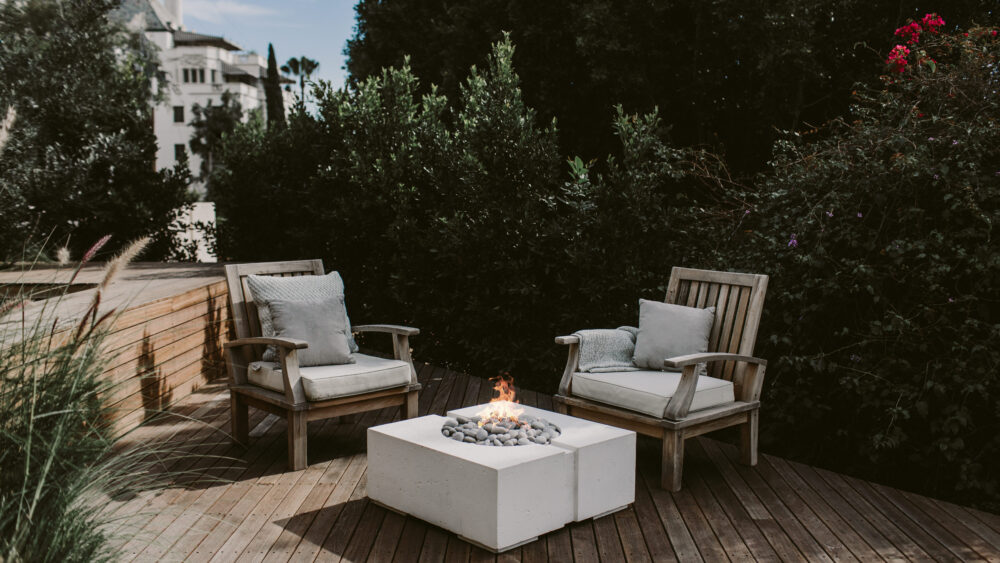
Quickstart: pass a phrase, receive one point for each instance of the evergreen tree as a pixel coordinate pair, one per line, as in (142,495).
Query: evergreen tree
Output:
(272,91)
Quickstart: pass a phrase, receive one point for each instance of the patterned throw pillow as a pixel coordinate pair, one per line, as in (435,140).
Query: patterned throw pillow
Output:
(264,289)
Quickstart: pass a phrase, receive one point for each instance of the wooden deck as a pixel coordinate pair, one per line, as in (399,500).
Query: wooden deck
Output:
(777,510)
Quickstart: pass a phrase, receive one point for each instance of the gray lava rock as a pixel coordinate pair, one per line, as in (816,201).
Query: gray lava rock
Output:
(527,430)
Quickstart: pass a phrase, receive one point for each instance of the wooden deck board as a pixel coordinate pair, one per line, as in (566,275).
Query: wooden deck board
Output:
(726,511)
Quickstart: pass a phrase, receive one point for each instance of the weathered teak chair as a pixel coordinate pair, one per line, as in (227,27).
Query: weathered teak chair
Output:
(738,299)
(282,392)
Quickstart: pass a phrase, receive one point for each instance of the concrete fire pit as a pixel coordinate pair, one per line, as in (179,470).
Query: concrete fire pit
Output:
(501,497)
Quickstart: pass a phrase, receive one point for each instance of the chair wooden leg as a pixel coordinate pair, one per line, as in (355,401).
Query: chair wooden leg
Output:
(297,458)
(672,461)
(411,405)
(748,438)
(239,418)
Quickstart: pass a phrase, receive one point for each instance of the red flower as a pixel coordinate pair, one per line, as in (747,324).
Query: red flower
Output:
(910,32)
(932,22)
(897,58)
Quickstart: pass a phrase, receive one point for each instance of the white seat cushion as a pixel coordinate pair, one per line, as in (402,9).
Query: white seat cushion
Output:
(319,383)
(648,392)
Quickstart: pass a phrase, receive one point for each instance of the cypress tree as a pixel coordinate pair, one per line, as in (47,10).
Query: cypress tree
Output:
(272,91)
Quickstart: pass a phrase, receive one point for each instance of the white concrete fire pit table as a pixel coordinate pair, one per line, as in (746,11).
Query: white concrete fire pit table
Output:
(501,497)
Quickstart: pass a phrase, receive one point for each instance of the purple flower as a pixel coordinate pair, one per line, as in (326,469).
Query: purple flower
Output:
(860,215)
(829,213)
(936,177)
(930,138)
(793,242)
(855,358)
(955,142)
(747,212)
(951,300)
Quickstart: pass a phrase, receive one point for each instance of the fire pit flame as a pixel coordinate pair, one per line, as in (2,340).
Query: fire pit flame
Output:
(501,422)
(504,407)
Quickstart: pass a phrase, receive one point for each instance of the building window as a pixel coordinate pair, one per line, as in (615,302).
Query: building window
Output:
(195,75)
(178,114)
(180,153)
(213,76)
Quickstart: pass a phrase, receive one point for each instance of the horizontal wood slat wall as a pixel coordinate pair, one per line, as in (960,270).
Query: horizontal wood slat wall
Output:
(163,351)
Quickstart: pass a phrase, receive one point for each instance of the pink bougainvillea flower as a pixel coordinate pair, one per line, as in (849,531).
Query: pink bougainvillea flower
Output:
(932,22)
(910,32)
(793,242)
(897,58)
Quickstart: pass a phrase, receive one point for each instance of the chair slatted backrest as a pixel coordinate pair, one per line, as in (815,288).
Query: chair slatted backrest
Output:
(738,300)
(241,303)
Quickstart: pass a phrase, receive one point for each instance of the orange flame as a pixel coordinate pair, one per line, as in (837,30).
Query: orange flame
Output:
(503,407)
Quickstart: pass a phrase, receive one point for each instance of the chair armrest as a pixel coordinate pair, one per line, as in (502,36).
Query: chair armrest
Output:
(572,363)
(291,343)
(392,329)
(691,359)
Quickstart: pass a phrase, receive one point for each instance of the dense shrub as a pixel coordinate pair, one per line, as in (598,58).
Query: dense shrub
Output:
(460,217)
(881,319)
(463,221)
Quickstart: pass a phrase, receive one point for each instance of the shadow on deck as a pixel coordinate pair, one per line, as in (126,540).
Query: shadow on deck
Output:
(251,508)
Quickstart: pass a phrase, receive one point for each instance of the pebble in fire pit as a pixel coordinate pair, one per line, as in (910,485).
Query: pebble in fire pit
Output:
(526,430)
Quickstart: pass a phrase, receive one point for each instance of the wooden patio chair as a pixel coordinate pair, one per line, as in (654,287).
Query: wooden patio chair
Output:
(283,393)
(739,299)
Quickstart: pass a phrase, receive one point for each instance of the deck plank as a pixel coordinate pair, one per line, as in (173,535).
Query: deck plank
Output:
(726,511)
(789,538)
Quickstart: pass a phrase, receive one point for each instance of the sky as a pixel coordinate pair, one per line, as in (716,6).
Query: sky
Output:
(318,29)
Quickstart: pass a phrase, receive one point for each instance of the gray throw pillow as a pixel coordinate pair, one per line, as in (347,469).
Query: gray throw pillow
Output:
(320,323)
(265,289)
(668,331)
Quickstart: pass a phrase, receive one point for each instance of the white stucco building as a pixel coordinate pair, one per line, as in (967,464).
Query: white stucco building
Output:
(196,69)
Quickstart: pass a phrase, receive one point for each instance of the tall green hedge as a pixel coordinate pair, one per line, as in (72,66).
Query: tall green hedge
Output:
(882,321)
(462,218)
